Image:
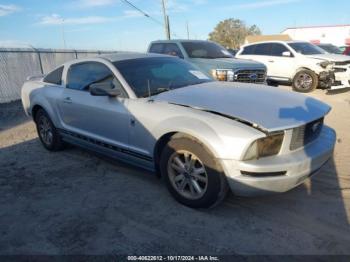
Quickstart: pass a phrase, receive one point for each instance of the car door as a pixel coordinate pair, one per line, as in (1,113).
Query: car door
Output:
(280,65)
(100,117)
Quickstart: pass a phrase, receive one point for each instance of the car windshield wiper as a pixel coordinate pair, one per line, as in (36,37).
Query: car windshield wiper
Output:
(160,90)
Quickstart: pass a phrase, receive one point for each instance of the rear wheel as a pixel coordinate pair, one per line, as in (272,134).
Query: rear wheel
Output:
(47,132)
(192,174)
(305,81)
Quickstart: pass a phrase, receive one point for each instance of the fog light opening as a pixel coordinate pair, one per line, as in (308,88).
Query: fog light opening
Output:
(263,174)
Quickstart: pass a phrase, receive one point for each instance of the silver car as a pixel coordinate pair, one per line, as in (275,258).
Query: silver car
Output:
(163,114)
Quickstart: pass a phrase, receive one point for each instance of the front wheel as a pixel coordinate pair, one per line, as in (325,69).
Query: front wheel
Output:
(192,174)
(305,81)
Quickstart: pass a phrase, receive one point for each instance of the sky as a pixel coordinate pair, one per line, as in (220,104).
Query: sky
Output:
(114,25)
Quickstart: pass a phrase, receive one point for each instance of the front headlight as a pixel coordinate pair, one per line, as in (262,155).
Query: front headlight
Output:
(325,64)
(223,74)
(266,146)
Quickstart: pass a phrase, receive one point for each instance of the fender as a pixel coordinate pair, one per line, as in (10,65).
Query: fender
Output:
(210,137)
(37,99)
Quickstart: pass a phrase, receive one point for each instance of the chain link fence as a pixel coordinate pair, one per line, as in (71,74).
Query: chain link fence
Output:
(16,64)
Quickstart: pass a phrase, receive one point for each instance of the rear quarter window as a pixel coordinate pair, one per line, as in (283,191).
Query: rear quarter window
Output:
(54,77)
(156,48)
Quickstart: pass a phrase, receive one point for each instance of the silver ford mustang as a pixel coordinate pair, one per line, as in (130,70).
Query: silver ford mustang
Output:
(163,114)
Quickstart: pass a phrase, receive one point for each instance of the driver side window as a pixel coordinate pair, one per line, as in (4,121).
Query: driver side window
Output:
(82,75)
(173,50)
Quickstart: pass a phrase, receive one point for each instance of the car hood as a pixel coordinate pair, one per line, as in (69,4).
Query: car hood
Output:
(331,57)
(228,63)
(266,108)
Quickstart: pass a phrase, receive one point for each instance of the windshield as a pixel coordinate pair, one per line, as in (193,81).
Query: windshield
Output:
(332,49)
(306,48)
(204,49)
(153,75)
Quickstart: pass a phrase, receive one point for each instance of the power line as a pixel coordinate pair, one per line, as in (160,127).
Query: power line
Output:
(147,15)
(142,12)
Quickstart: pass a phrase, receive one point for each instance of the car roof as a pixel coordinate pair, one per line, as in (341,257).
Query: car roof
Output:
(276,41)
(119,56)
(179,40)
(114,57)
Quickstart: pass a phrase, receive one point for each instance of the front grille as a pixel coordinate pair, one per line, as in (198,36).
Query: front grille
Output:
(305,134)
(250,76)
(343,63)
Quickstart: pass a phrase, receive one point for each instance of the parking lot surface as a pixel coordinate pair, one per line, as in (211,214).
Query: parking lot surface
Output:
(75,202)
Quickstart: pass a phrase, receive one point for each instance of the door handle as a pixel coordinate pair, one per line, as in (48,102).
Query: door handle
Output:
(271,61)
(67,100)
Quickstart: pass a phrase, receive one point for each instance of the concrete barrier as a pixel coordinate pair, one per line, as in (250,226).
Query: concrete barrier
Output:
(16,64)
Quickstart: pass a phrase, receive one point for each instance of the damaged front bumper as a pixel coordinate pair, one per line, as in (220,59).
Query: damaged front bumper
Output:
(337,78)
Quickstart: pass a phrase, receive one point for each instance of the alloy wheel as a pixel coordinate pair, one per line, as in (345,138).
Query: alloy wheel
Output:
(304,81)
(45,130)
(187,174)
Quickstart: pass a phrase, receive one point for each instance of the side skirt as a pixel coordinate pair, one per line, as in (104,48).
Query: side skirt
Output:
(122,154)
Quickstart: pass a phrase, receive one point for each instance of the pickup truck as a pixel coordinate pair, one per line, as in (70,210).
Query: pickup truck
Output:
(213,59)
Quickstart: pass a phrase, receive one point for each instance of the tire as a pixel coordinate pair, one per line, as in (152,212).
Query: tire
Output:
(213,191)
(272,83)
(47,132)
(305,81)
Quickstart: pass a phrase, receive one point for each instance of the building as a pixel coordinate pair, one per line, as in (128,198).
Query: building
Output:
(259,38)
(338,35)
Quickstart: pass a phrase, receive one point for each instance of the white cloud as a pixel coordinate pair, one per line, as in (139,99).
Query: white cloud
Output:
(176,6)
(94,3)
(267,3)
(8,9)
(132,13)
(14,44)
(56,19)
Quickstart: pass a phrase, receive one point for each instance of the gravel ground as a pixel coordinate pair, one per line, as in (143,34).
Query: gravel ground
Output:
(75,202)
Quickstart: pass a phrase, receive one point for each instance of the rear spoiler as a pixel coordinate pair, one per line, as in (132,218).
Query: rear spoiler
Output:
(35,78)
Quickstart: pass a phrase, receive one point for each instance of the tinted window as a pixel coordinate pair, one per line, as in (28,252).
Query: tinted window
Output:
(205,50)
(81,76)
(249,50)
(278,49)
(54,77)
(331,49)
(262,49)
(172,49)
(306,48)
(156,48)
(158,74)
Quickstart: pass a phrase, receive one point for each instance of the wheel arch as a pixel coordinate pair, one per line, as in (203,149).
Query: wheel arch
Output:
(35,110)
(165,138)
(303,68)
(37,106)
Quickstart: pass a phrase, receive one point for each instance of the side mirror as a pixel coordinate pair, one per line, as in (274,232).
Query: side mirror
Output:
(104,89)
(287,54)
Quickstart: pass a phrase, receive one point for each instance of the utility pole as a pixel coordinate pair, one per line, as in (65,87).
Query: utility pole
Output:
(188,30)
(166,21)
(63,35)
